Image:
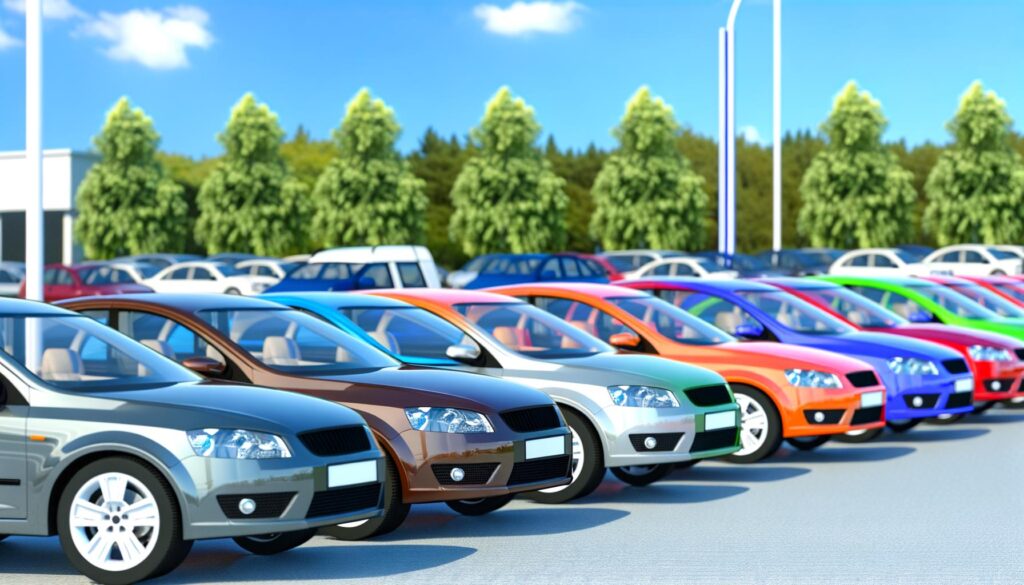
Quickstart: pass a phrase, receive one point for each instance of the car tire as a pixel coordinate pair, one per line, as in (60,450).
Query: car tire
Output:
(642,475)
(757,413)
(480,506)
(587,473)
(159,534)
(945,419)
(275,543)
(808,443)
(998,272)
(395,511)
(902,426)
(1014,403)
(232,291)
(860,436)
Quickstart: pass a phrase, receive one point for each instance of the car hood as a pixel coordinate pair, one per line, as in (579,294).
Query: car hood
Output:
(954,335)
(786,356)
(211,404)
(607,369)
(879,345)
(410,386)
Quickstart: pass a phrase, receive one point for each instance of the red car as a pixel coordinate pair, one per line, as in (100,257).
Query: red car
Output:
(1008,287)
(609,268)
(997,361)
(82,280)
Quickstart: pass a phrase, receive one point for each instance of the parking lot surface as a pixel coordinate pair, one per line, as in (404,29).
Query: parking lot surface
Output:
(941,504)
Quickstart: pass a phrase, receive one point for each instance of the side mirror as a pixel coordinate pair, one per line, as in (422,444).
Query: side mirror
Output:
(624,340)
(204,366)
(749,330)
(463,353)
(921,317)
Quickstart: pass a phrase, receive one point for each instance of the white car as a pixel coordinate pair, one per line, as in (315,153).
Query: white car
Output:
(385,266)
(1017,251)
(684,266)
(269,267)
(11,275)
(203,276)
(973,260)
(628,262)
(878,262)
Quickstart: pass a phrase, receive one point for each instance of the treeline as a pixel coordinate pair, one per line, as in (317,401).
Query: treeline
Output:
(501,188)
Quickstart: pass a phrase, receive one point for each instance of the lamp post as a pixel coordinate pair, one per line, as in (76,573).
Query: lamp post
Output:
(776,125)
(727,134)
(34,150)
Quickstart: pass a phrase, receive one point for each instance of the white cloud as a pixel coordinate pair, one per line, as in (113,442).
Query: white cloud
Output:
(7,41)
(155,39)
(56,9)
(524,18)
(750,134)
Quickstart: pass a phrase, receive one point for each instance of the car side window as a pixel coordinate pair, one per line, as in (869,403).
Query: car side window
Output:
(893,301)
(713,309)
(570,268)
(883,262)
(411,275)
(179,274)
(950,257)
(679,269)
(200,273)
(379,274)
(307,272)
(58,276)
(583,316)
(621,263)
(165,336)
(859,260)
(6,277)
(551,270)
(973,257)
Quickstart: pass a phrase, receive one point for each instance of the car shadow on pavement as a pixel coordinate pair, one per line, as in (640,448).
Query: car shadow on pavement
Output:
(616,492)
(840,453)
(737,473)
(432,522)
(929,434)
(990,417)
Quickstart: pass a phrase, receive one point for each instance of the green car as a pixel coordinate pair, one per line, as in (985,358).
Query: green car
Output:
(922,301)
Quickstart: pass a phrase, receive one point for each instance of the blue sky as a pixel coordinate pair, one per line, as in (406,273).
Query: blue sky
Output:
(438,62)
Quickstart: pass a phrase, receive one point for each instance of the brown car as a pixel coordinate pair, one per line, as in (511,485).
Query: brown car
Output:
(469,440)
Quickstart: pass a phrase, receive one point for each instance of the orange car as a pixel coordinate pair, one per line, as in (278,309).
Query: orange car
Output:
(799,394)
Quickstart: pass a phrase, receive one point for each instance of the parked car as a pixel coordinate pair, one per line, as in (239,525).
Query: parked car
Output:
(515,268)
(1008,287)
(11,275)
(747,265)
(973,260)
(269,267)
(65,282)
(360,267)
(923,380)
(204,276)
(610,270)
(799,394)
(981,294)
(802,261)
(129,457)
(137,271)
(636,415)
(684,266)
(997,361)
(878,262)
(161,260)
(1017,251)
(470,441)
(628,261)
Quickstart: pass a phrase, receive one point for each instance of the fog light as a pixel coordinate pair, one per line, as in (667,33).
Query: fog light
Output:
(917,401)
(650,442)
(819,417)
(457,474)
(246,506)
(996,384)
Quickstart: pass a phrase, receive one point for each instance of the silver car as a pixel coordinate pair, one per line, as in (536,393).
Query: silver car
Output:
(129,457)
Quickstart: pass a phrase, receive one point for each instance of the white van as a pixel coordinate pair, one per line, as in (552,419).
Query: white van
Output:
(387,266)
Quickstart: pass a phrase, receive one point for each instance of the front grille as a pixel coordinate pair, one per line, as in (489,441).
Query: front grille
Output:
(1020,353)
(476,473)
(957,366)
(926,400)
(528,420)
(863,416)
(666,441)
(829,417)
(709,440)
(863,379)
(959,400)
(270,505)
(336,441)
(340,501)
(709,395)
(540,470)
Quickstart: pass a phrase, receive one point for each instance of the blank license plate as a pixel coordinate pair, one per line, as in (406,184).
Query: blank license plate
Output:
(870,399)
(549,447)
(719,420)
(351,473)
(964,385)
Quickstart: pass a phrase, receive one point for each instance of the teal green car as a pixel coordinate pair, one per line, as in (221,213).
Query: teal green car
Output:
(922,301)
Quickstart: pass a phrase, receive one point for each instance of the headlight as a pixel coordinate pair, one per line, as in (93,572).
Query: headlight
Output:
(813,379)
(913,366)
(447,420)
(237,444)
(987,353)
(643,397)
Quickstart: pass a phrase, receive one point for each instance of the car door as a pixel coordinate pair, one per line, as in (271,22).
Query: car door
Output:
(174,281)
(857,265)
(203,280)
(948,263)
(683,269)
(14,413)
(974,264)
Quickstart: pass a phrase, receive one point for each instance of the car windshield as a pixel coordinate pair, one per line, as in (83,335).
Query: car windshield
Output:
(408,331)
(795,313)
(294,342)
(990,300)
(671,321)
(707,265)
(953,301)
(908,257)
(530,331)
(859,310)
(148,270)
(229,270)
(74,352)
(1003,254)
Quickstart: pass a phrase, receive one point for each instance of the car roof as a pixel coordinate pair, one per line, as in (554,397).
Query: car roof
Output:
(9,306)
(904,281)
(451,296)
(189,302)
(339,300)
(603,291)
(945,279)
(798,283)
(362,254)
(738,284)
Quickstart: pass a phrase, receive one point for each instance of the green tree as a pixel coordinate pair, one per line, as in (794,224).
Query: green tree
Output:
(507,198)
(250,202)
(855,194)
(307,158)
(367,194)
(438,161)
(976,189)
(647,195)
(126,203)
(579,169)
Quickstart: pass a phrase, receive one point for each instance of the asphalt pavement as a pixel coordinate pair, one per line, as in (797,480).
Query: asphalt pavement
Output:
(940,504)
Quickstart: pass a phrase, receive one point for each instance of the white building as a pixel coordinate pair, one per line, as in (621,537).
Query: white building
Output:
(63,171)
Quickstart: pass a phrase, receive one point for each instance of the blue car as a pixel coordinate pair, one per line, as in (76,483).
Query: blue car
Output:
(503,269)
(922,379)
(334,276)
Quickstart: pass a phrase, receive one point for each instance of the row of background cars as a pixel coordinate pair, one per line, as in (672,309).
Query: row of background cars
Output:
(148,420)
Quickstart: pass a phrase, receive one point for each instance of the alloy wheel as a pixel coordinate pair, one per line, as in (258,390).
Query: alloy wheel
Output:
(114,521)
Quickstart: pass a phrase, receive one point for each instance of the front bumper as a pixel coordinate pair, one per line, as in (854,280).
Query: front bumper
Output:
(929,397)
(831,412)
(995,381)
(291,494)
(680,434)
(491,465)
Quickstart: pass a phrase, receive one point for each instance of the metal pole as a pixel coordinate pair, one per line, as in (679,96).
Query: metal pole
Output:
(34,150)
(776,125)
(723,131)
(730,104)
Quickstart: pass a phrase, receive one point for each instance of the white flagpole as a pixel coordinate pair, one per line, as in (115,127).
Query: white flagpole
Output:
(34,150)
(776,125)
